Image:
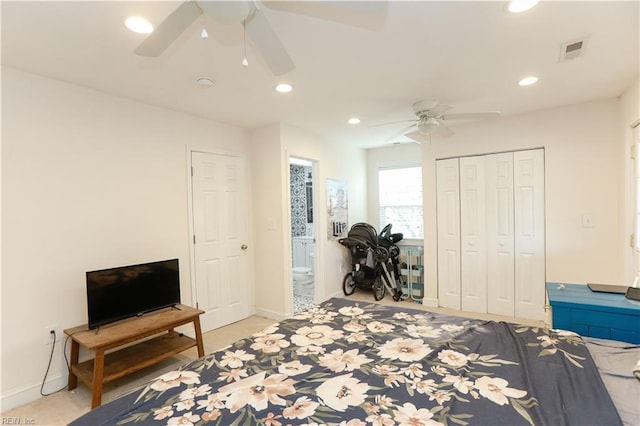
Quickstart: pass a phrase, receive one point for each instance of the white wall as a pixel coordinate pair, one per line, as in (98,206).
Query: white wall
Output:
(271,148)
(583,174)
(629,113)
(335,161)
(268,221)
(89,181)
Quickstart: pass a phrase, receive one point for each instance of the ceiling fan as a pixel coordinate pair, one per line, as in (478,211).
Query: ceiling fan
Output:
(429,118)
(246,12)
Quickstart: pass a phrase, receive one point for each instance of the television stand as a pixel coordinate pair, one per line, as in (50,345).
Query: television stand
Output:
(105,368)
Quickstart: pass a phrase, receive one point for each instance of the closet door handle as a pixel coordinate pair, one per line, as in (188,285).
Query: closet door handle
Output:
(244,247)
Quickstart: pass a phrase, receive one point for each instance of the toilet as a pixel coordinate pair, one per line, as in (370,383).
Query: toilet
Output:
(302,281)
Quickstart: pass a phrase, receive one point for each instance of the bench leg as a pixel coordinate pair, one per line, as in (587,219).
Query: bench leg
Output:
(75,351)
(196,326)
(98,373)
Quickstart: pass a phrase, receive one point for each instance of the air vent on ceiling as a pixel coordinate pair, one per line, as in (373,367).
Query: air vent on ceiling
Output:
(573,49)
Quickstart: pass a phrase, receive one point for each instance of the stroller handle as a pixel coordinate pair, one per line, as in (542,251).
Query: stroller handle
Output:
(386,234)
(353,242)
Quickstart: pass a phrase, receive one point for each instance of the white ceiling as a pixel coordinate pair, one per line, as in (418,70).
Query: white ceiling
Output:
(370,65)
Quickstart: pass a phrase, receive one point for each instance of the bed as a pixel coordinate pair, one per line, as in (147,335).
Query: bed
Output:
(354,363)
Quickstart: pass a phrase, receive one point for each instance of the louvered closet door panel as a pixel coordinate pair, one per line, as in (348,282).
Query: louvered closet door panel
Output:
(528,168)
(500,234)
(448,211)
(473,234)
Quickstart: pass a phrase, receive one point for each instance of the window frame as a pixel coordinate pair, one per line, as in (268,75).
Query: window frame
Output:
(397,166)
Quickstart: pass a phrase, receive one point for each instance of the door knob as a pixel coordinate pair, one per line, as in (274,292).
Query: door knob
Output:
(244,247)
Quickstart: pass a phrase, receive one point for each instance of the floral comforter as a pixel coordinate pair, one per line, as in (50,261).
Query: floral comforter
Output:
(356,363)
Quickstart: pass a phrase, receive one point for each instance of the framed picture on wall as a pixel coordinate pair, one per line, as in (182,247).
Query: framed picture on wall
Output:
(337,209)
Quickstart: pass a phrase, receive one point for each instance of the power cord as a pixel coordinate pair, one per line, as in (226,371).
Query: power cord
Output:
(53,348)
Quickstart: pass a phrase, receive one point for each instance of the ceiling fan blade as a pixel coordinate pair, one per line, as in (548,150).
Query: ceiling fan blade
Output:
(268,43)
(417,137)
(438,110)
(444,131)
(227,12)
(399,133)
(169,29)
(471,115)
(395,122)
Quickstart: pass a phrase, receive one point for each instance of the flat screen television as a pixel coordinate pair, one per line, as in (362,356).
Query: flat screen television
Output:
(117,293)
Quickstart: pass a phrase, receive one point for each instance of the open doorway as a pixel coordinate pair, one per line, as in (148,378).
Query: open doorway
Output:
(302,233)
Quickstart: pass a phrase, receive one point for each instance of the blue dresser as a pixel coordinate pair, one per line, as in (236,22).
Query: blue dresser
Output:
(603,315)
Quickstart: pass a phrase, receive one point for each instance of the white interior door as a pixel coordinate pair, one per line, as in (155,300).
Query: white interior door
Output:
(500,234)
(219,224)
(448,213)
(528,182)
(473,234)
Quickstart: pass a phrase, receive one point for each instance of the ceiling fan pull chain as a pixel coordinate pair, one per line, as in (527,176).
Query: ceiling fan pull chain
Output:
(204,34)
(244,43)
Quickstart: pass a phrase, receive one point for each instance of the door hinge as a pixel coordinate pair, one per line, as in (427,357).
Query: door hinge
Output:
(194,238)
(191,171)
(632,240)
(633,151)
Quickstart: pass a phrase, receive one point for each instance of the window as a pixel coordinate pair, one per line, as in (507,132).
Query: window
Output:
(400,199)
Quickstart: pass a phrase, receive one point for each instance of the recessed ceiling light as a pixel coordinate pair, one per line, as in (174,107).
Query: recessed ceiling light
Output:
(138,25)
(518,6)
(528,81)
(284,88)
(354,120)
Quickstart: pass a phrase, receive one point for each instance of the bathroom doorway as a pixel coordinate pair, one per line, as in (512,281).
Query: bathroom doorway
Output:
(302,233)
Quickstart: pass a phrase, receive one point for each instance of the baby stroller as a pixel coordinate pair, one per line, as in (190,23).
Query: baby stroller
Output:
(372,258)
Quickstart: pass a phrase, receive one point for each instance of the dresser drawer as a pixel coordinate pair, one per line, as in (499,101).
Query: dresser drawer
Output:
(605,319)
(604,316)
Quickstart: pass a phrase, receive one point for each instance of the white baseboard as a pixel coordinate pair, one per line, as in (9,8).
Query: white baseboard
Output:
(267,313)
(432,303)
(26,394)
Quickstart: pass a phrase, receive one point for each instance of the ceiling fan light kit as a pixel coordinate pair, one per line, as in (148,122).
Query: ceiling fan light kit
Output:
(429,118)
(428,126)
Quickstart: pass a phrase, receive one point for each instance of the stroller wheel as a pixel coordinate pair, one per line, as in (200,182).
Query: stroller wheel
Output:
(348,284)
(397,295)
(378,289)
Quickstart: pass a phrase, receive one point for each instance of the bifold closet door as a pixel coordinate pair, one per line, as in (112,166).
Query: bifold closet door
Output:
(473,234)
(528,193)
(500,234)
(448,212)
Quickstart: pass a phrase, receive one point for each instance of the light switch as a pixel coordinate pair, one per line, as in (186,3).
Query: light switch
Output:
(587,221)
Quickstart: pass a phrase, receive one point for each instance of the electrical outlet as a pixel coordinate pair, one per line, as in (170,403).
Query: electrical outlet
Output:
(49,338)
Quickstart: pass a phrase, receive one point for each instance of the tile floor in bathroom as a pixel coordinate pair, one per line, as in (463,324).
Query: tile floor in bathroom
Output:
(301,303)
